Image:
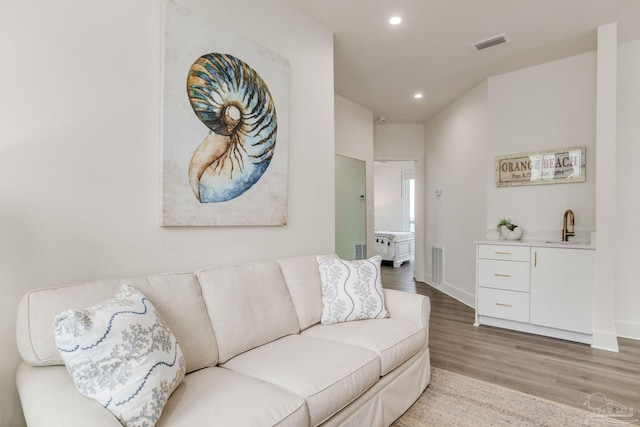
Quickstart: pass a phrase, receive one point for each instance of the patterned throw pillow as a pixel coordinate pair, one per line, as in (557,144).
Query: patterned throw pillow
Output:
(351,290)
(121,354)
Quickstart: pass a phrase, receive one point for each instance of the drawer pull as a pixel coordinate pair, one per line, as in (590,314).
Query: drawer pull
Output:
(502,275)
(502,253)
(503,305)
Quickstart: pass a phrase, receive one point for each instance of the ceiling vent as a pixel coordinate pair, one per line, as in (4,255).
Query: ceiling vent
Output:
(490,42)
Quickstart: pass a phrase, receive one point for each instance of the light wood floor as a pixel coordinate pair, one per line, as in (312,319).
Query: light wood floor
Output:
(553,369)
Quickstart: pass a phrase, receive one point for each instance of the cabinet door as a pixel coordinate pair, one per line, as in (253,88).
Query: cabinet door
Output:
(562,288)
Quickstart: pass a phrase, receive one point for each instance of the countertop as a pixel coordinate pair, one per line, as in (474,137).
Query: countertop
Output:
(577,244)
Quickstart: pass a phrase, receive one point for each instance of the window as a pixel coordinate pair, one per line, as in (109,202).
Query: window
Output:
(409,196)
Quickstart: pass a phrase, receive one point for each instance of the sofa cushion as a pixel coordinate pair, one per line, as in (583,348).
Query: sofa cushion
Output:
(303,280)
(351,290)
(249,305)
(328,375)
(122,354)
(217,396)
(176,296)
(393,340)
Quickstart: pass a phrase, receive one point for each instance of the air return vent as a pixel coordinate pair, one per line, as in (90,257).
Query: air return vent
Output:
(490,42)
(361,251)
(437,264)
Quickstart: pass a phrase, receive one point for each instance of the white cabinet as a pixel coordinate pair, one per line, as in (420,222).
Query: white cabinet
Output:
(503,282)
(562,288)
(536,289)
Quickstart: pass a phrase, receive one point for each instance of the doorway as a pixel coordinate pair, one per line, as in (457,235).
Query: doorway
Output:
(394,185)
(350,208)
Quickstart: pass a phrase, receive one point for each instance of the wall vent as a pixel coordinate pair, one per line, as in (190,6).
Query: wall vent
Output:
(361,251)
(437,265)
(490,42)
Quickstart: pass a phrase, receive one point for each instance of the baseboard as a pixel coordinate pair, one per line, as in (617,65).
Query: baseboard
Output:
(605,341)
(535,329)
(454,292)
(628,330)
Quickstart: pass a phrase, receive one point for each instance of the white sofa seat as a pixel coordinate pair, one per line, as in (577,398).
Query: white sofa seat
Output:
(262,404)
(328,375)
(393,340)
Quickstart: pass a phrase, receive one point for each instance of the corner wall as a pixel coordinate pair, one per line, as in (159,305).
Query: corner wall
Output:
(456,147)
(535,108)
(530,109)
(354,139)
(628,200)
(80,149)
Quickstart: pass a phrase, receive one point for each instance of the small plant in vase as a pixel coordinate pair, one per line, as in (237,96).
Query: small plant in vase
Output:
(509,230)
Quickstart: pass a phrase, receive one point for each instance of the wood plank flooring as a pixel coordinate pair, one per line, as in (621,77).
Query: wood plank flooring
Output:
(550,368)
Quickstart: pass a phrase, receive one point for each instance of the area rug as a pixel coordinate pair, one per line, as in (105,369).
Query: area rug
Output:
(456,400)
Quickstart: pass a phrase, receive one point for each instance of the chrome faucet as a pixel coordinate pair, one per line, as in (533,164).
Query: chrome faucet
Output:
(567,221)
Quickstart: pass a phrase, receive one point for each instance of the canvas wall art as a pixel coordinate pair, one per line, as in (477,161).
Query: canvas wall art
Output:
(225,126)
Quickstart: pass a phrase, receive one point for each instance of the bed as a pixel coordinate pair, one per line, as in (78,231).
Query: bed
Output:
(395,246)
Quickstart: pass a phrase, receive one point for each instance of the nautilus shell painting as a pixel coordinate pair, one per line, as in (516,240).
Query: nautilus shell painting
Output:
(225,108)
(235,104)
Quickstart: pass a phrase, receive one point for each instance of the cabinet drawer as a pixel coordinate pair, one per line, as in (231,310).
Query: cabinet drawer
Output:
(504,252)
(509,275)
(508,305)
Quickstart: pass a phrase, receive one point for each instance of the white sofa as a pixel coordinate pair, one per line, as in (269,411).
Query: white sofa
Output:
(255,352)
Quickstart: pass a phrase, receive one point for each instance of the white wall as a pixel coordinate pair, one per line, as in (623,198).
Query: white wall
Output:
(405,141)
(80,144)
(389,193)
(538,108)
(456,153)
(354,138)
(628,191)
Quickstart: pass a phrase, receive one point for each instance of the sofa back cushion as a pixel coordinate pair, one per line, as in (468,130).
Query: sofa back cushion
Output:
(176,296)
(302,276)
(249,305)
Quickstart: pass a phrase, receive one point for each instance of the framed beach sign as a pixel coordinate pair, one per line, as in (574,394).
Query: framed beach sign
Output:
(559,166)
(225,126)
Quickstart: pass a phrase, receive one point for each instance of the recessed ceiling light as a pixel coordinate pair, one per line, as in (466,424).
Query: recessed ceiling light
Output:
(417,96)
(395,20)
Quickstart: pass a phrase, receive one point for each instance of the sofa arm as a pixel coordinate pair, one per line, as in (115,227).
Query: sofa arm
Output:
(408,306)
(50,399)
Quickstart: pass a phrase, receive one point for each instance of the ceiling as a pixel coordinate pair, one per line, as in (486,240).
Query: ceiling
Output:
(381,66)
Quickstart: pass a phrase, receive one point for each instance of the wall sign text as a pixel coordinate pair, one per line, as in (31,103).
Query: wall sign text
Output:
(541,167)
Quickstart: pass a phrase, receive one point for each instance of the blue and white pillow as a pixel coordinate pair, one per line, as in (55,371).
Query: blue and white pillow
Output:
(123,355)
(351,290)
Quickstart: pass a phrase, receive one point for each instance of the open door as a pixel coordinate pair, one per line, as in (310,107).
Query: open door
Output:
(350,208)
